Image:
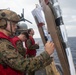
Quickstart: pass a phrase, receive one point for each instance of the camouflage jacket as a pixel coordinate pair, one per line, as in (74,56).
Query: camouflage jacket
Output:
(20,48)
(30,45)
(9,56)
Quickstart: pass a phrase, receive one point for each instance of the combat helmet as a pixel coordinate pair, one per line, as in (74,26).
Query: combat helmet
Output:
(8,15)
(22,26)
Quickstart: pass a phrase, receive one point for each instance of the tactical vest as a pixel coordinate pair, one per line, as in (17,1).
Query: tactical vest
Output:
(7,70)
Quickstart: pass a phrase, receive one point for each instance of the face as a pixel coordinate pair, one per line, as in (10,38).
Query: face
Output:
(32,32)
(13,26)
(23,38)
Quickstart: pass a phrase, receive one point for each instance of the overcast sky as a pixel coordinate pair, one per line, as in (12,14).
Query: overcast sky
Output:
(68,8)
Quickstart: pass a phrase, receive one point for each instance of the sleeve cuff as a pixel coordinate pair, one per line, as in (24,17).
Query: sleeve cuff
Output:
(45,55)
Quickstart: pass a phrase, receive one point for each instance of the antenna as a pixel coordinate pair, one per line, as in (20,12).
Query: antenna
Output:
(22,17)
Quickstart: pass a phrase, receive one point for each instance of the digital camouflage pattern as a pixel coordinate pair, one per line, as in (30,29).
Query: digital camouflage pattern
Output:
(8,15)
(20,48)
(30,46)
(22,51)
(9,56)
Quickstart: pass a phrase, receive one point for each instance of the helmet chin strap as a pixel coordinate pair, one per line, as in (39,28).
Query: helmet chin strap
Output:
(10,31)
(11,28)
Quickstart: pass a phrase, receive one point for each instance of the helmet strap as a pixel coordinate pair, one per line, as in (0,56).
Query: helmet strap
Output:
(11,28)
(10,31)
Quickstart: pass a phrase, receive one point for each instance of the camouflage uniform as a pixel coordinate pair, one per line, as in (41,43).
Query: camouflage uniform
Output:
(9,56)
(31,47)
(20,48)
